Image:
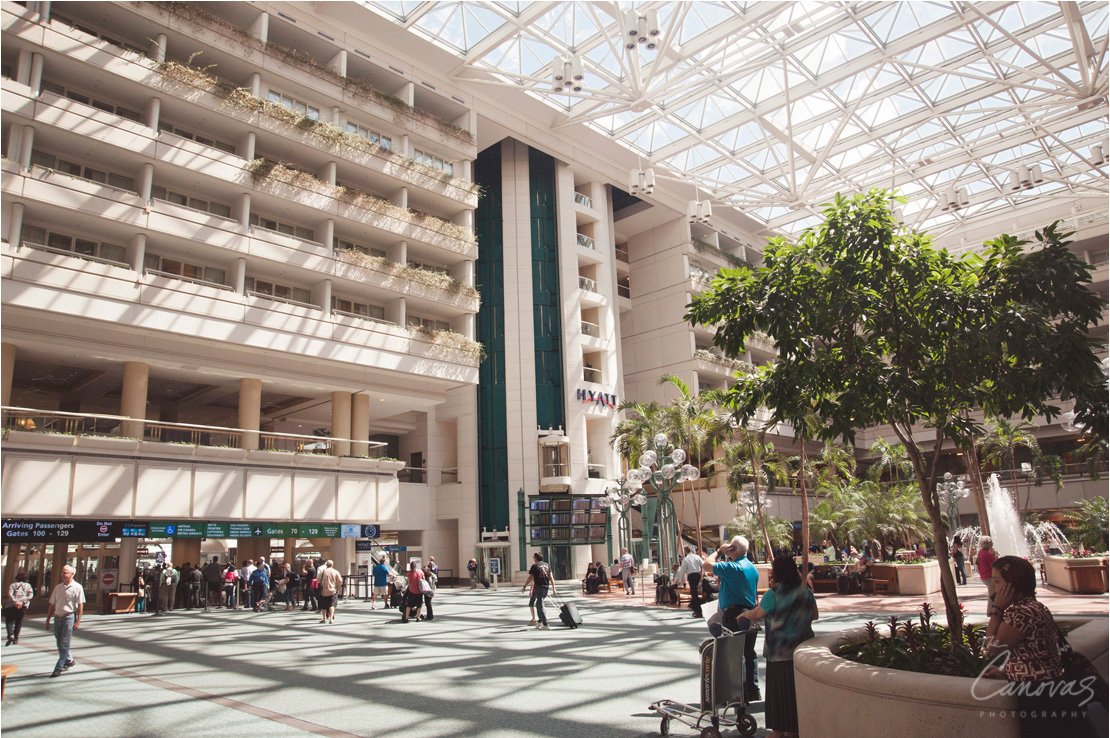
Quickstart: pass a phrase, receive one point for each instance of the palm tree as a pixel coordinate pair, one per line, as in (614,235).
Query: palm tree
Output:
(631,436)
(1001,443)
(890,460)
(894,512)
(1091,450)
(779,531)
(691,421)
(1045,468)
(749,459)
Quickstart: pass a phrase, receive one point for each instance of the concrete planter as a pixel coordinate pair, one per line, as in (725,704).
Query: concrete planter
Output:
(315,460)
(35,438)
(108,443)
(168,449)
(285,458)
(1082,576)
(918,579)
(221,452)
(764,575)
(903,702)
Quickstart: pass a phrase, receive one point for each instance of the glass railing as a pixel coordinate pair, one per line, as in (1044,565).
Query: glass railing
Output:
(583,200)
(590,374)
(585,241)
(624,290)
(596,471)
(622,254)
(587,284)
(591,329)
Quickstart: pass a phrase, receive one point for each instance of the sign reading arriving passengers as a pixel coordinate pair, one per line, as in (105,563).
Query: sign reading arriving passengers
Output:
(90,531)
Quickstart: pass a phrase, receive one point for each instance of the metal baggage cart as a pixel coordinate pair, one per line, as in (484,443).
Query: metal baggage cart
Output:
(723,703)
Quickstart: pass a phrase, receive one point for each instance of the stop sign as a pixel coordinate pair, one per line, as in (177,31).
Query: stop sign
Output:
(108,580)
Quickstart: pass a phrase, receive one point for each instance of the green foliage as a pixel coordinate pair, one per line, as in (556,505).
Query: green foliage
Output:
(922,646)
(1087,524)
(633,434)
(780,531)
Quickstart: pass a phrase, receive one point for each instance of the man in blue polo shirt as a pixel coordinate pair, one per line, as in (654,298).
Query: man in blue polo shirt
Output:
(739,584)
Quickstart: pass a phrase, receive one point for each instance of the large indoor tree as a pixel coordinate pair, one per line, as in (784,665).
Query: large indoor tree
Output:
(874,325)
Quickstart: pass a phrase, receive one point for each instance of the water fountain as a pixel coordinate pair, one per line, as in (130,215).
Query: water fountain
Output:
(1010,535)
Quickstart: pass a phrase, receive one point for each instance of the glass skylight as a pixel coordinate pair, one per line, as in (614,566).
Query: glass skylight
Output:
(773,107)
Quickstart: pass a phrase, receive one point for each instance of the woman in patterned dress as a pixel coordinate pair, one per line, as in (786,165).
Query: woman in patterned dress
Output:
(1026,642)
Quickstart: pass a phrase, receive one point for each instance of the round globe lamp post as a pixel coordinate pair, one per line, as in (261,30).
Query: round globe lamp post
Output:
(952,492)
(622,495)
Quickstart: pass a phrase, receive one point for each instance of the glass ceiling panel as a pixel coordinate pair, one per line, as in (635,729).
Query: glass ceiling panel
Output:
(943,87)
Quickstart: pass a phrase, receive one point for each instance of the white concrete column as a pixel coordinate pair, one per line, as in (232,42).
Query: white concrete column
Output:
(136,376)
(256,84)
(397,312)
(128,556)
(250,410)
(327,228)
(26,146)
(399,252)
(247,145)
(341,422)
(408,93)
(7,370)
(465,170)
(338,63)
(23,67)
(138,252)
(35,82)
(401,198)
(152,113)
(323,297)
(15,224)
(244,210)
(468,326)
(44,11)
(158,48)
(327,173)
(146,182)
(260,29)
(239,276)
(406,147)
(343,554)
(360,424)
(15,142)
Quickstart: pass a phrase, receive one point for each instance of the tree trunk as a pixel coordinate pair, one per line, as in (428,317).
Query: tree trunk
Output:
(697,511)
(805,513)
(925,472)
(977,488)
(756,468)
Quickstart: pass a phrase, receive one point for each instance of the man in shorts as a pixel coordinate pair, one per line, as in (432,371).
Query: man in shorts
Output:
(381,583)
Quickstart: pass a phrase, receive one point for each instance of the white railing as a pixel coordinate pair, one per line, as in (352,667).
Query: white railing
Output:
(583,200)
(286,300)
(596,471)
(585,241)
(591,329)
(67,252)
(194,280)
(587,284)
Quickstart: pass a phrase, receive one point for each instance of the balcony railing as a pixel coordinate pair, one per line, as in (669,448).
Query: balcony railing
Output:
(75,254)
(621,253)
(184,278)
(596,471)
(591,329)
(585,241)
(116,426)
(624,290)
(582,200)
(590,374)
(587,284)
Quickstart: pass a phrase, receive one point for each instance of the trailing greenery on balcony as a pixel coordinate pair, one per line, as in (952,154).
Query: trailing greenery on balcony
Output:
(262,170)
(736,364)
(394,269)
(326,133)
(451,341)
(704,247)
(202,19)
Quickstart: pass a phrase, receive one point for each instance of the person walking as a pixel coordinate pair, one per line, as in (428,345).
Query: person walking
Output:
(790,609)
(213,576)
(984,562)
(958,558)
(472,571)
(430,579)
(690,568)
(380,586)
(414,598)
(308,577)
(154,590)
(628,572)
(739,585)
(245,578)
(67,604)
(20,594)
(331,581)
(231,583)
(539,576)
(259,585)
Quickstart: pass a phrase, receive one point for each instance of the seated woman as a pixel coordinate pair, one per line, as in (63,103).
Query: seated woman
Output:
(1026,641)
(591,581)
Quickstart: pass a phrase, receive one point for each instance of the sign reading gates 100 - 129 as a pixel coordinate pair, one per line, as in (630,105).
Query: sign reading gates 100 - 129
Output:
(90,531)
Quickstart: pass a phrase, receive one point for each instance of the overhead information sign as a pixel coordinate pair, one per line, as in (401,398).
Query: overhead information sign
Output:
(90,531)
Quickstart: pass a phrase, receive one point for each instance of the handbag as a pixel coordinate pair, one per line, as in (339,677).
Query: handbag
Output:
(425,588)
(1078,668)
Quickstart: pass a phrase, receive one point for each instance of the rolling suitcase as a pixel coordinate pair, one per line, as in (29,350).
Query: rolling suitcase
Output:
(568,614)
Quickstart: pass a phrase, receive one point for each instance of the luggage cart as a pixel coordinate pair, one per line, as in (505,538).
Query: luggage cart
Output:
(722,690)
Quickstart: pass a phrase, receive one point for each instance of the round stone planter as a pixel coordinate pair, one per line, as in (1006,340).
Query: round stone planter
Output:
(838,696)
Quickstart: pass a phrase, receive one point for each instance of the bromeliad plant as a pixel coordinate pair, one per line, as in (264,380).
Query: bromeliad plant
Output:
(923,647)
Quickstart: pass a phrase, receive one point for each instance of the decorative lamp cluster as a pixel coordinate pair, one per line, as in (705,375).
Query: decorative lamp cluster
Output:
(699,211)
(568,73)
(952,492)
(641,181)
(953,199)
(1024,178)
(641,29)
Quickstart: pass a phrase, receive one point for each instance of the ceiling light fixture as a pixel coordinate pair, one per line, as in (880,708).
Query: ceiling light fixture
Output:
(699,211)
(1097,157)
(567,73)
(1024,178)
(953,199)
(641,181)
(640,28)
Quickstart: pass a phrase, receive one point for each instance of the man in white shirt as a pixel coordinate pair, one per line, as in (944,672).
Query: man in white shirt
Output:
(67,604)
(690,570)
(628,567)
(245,576)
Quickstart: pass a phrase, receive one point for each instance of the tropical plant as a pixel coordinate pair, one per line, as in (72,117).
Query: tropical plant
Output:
(1092,451)
(1044,468)
(873,325)
(922,647)
(1000,444)
(632,436)
(890,461)
(779,531)
(1087,523)
(750,459)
